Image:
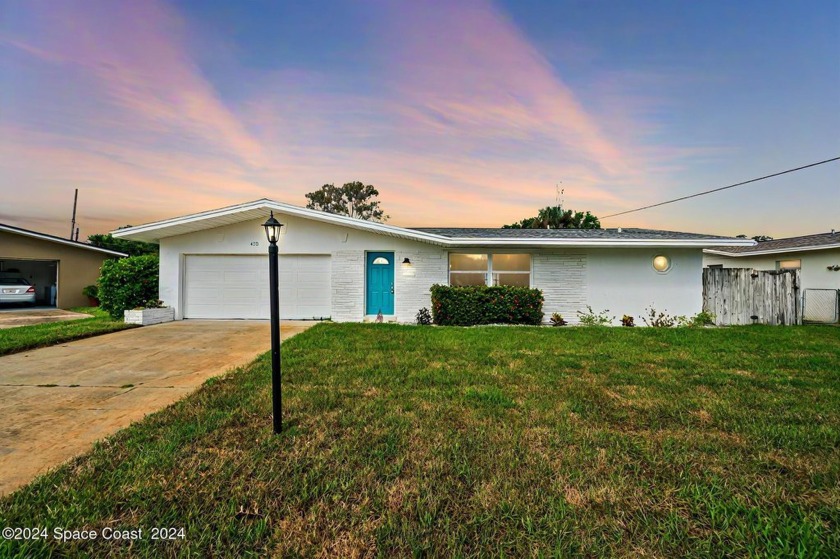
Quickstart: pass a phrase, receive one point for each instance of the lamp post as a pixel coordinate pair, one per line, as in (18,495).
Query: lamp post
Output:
(272,233)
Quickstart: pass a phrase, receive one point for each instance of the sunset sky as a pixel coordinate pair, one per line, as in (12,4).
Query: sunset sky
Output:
(461,113)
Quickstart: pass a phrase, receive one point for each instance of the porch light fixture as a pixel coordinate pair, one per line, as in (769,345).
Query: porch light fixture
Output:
(272,229)
(272,233)
(406,261)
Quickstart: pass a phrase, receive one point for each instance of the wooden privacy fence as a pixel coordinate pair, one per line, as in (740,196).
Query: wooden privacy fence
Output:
(736,295)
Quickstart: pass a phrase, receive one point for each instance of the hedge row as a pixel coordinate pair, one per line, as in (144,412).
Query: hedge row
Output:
(128,283)
(467,306)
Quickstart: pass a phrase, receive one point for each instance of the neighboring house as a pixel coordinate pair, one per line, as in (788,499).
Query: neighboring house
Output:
(214,265)
(816,256)
(58,268)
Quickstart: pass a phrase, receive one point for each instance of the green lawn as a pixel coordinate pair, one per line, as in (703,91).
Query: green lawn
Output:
(22,338)
(494,441)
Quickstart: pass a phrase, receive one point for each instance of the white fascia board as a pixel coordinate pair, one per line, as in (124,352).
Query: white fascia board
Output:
(141,232)
(359,223)
(183,220)
(591,243)
(769,252)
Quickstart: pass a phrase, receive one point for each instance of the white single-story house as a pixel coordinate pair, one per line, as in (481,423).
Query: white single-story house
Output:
(817,257)
(214,265)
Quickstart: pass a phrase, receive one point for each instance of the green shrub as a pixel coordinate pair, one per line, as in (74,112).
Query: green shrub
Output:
(467,306)
(558,320)
(591,318)
(702,318)
(128,283)
(662,319)
(91,291)
(424,317)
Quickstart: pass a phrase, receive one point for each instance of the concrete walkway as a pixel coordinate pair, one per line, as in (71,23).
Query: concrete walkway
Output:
(56,401)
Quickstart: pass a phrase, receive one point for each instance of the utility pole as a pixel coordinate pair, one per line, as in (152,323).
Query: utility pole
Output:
(73,220)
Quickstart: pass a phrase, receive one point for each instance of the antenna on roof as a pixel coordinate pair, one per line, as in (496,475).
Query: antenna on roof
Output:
(77,235)
(558,199)
(73,220)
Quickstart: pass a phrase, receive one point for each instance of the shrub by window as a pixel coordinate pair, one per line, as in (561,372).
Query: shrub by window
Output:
(480,304)
(128,283)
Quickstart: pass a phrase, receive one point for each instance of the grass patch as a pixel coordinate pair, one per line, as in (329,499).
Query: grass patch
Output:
(22,338)
(420,441)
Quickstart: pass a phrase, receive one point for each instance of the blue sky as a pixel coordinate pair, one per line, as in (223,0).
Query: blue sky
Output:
(461,113)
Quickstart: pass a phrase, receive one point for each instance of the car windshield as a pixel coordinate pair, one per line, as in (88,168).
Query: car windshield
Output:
(13,281)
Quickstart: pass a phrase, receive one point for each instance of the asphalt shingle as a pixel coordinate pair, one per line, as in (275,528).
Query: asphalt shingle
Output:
(623,233)
(806,241)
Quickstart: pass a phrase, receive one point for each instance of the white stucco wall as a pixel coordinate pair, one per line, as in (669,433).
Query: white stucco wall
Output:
(621,280)
(813,273)
(624,282)
(413,282)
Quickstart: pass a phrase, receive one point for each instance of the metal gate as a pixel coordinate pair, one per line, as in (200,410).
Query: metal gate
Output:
(822,305)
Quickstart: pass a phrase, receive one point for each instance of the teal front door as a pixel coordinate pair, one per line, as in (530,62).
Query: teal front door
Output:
(380,283)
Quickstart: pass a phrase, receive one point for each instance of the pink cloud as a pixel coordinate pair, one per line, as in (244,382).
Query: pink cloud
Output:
(472,72)
(466,122)
(135,55)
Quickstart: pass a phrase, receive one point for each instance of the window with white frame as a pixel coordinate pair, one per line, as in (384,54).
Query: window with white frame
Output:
(490,269)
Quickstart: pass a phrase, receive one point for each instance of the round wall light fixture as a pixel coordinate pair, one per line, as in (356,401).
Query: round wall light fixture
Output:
(661,263)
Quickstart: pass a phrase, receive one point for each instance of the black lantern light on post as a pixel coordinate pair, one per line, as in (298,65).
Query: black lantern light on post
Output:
(272,233)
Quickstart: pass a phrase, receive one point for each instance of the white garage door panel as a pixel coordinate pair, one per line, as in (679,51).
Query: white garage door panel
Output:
(231,286)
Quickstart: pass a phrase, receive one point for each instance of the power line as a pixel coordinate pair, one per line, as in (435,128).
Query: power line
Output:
(722,188)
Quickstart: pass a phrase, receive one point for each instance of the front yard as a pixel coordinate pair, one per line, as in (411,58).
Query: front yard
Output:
(23,338)
(503,441)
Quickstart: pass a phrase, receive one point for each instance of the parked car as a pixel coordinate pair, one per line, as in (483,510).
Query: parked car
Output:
(14,288)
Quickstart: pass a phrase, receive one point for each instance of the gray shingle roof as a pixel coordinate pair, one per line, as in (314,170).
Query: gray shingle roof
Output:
(805,242)
(626,233)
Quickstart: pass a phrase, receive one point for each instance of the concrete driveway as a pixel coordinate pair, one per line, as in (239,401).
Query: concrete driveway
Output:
(14,317)
(56,401)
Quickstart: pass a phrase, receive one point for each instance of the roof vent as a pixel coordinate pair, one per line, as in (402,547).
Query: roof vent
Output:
(619,229)
(832,231)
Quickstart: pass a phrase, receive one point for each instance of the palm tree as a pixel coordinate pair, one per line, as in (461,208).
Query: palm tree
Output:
(555,217)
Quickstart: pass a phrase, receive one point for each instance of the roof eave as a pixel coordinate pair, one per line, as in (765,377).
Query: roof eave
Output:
(769,252)
(60,241)
(151,232)
(595,243)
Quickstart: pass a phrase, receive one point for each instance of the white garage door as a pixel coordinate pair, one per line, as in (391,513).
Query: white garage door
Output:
(234,286)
